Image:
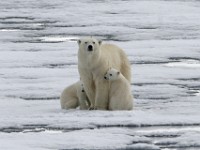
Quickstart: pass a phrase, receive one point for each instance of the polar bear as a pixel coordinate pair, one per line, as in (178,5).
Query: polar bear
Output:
(120,96)
(74,96)
(94,59)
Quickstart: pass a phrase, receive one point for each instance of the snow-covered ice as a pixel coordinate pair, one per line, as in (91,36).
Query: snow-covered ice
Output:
(38,57)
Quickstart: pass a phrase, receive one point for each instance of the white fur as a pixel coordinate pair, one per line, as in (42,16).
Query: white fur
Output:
(120,95)
(74,96)
(93,65)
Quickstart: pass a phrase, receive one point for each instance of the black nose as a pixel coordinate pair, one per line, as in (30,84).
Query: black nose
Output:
(90,48)
(105,78)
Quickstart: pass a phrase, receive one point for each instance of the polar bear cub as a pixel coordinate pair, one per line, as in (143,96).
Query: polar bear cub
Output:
(74,96)
(120,96)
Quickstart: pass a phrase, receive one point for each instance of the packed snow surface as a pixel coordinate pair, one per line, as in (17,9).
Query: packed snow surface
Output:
(38,59)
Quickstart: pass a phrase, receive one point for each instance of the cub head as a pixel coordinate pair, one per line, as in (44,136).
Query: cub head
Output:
(82,88)
(89,44)
(112,74)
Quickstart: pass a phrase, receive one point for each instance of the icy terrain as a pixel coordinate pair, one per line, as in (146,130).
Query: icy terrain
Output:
(38,59)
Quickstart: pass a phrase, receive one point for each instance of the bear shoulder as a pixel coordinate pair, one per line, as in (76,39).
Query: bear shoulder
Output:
(108,46)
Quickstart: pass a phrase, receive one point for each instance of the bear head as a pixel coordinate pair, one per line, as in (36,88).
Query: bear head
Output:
(112,74)
(89,44)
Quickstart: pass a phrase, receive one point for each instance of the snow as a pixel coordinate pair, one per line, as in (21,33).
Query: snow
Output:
(38,57)
(185,63)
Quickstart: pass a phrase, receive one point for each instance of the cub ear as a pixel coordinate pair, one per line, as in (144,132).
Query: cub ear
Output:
(100,42)
(118,73)
(79,41)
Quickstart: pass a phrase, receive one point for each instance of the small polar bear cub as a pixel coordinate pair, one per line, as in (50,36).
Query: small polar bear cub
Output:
(120,96)
(74,96)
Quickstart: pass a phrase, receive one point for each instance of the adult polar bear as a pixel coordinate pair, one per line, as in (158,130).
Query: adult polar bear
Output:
(94,59)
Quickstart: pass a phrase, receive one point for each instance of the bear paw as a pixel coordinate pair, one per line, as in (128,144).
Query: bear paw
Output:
(92,108)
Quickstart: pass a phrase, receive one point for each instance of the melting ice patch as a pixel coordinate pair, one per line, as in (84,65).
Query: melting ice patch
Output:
(198,94)
(169,129)
(185,63)
(58,39)
(37,24)
(8,30)
(42,130)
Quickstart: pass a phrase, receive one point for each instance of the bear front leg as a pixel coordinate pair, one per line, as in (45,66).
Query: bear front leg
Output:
(90,91)
(102,95)
(83,104)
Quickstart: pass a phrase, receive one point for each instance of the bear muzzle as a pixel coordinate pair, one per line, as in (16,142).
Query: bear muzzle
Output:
(90,48)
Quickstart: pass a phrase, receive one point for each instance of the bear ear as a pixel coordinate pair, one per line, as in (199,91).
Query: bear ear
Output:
(118,72)
(79,41)
(100,42)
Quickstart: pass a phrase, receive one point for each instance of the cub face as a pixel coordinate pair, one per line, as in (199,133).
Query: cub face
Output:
(112,74)
(82,88)
(89,44)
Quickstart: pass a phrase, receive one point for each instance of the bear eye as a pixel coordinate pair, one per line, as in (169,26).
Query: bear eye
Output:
(110,74)
(93,42)
(86,42)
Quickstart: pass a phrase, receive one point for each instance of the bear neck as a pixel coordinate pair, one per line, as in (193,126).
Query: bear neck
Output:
(89,60)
